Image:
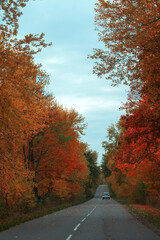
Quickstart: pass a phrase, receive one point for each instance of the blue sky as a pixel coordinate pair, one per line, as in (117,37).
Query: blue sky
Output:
(69,25)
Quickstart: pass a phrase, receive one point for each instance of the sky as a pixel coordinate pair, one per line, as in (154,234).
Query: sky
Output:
(70,26)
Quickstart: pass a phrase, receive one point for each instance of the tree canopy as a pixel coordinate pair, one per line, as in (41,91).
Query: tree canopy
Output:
(130,33)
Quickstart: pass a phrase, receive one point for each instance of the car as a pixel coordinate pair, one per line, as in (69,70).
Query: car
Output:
(105,195)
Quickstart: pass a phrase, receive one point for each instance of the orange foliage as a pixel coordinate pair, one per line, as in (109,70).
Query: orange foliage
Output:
(40,148)
(130,31)
(58,155)
(23,105)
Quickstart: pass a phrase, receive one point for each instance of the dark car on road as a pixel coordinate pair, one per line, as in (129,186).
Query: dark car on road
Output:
(106,195)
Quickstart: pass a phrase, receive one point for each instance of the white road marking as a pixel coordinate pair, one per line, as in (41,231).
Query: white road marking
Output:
(83,219)
(69,237)
(77,227)
(91,211)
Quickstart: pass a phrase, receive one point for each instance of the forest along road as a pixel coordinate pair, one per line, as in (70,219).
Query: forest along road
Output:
(96,219)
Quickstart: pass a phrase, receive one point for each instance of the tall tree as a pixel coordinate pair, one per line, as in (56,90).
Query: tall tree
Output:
(23,103)
(58,154)
(130,33)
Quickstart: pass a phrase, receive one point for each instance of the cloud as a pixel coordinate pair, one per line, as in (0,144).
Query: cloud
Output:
(87,104)
(69,25)
(55,60)
(111,89)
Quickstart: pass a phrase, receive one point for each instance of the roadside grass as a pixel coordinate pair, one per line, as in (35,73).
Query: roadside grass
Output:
(149,215)
(12,218)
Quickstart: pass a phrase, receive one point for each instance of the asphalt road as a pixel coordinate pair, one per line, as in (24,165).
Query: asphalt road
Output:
(96,219)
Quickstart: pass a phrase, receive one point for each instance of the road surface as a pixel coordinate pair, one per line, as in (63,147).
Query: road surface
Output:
(96,219)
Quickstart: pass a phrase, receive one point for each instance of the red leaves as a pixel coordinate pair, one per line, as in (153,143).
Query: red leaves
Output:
(138,153)
(130,30)
(60,155)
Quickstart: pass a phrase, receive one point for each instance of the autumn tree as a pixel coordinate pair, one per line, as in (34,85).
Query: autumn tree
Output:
(41,152)
(110,146)
(133,162)
(58,155)
(23,103)
(113,175)
(104,166)
(130,33)
(140,148)
(80,177)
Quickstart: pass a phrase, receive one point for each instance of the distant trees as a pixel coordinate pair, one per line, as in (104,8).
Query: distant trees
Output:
(113,174)
(130,33)
(94,172)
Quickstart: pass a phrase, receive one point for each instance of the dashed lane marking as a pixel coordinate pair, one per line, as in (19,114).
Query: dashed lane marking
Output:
(69,237)
(75,229)
(83,219)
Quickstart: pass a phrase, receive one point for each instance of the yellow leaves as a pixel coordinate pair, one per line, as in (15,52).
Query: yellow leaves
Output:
(61,188)
(111,164)
(127,29)
(22,4)
(14,186)
(23,112)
